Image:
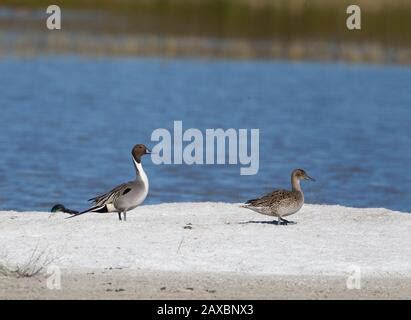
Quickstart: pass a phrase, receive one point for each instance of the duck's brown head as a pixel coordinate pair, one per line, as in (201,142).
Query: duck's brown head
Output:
(300,174)
(138,151)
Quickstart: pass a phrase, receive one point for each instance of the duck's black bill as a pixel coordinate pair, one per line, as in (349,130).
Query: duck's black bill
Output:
(307,177)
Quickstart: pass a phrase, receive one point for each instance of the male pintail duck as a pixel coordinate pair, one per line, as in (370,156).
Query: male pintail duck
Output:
(126,196)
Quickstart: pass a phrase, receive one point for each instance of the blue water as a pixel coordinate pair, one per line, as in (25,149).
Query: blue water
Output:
(68,124)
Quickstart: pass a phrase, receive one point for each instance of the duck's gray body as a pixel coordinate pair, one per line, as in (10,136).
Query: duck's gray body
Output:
(281,203)
(124,197)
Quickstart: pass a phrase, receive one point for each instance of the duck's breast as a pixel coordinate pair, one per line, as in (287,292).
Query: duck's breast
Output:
(291,204)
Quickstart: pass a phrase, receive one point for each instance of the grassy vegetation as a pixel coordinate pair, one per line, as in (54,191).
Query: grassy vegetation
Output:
(36,264)
(386,22)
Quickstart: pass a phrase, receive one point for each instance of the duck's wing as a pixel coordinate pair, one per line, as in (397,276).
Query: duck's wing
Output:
(112,195)
(270,198)
(100,202)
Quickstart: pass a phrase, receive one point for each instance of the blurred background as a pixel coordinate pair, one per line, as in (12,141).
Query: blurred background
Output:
(285,29)
(335,102)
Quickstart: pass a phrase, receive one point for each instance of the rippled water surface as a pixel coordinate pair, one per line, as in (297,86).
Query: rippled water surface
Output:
(68,124)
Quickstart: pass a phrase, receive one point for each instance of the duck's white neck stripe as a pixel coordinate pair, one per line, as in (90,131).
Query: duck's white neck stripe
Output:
(140,173)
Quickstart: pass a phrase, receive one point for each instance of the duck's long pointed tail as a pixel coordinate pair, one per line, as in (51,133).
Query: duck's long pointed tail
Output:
(100,209)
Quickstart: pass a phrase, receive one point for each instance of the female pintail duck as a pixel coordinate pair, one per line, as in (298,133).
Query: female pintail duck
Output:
(281,203)
(126,196)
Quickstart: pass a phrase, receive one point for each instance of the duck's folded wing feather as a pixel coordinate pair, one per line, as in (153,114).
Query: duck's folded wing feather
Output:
(112,195)
(268,199)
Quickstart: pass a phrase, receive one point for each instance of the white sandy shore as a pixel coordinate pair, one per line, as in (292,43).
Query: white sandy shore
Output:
(218,239)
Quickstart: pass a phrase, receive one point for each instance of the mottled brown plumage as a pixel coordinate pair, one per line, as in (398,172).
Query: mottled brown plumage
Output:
(277,198)
(281,203)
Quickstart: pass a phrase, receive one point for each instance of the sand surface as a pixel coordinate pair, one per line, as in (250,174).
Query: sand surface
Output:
(208,250)
(115,284)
